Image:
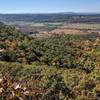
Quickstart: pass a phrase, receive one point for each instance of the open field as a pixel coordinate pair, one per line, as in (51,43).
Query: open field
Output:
(82,26)
(33,28)
(78,29)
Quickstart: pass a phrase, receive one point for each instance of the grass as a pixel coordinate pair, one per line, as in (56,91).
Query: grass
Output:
(84,26)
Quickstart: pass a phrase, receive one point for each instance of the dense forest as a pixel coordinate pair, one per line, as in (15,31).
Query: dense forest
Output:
(57,67)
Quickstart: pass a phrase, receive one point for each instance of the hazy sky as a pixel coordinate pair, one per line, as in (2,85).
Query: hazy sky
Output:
(48,6)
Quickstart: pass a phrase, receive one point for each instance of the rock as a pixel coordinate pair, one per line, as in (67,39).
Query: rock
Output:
(16,86)
(1,90)
(1,80)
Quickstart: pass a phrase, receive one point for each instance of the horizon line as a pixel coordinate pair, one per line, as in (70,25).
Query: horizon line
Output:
(54,13)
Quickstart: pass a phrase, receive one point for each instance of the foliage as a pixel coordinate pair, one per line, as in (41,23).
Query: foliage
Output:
(59,67)
(50,82)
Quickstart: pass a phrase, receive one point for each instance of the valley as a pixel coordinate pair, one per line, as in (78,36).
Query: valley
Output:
(49,57)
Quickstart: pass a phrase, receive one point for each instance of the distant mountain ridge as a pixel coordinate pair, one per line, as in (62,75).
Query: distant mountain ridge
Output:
(52,17)
(52,13)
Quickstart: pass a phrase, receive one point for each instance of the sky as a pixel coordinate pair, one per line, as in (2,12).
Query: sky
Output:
(49,6)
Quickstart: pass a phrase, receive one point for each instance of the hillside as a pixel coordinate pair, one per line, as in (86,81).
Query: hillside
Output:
(59,67)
